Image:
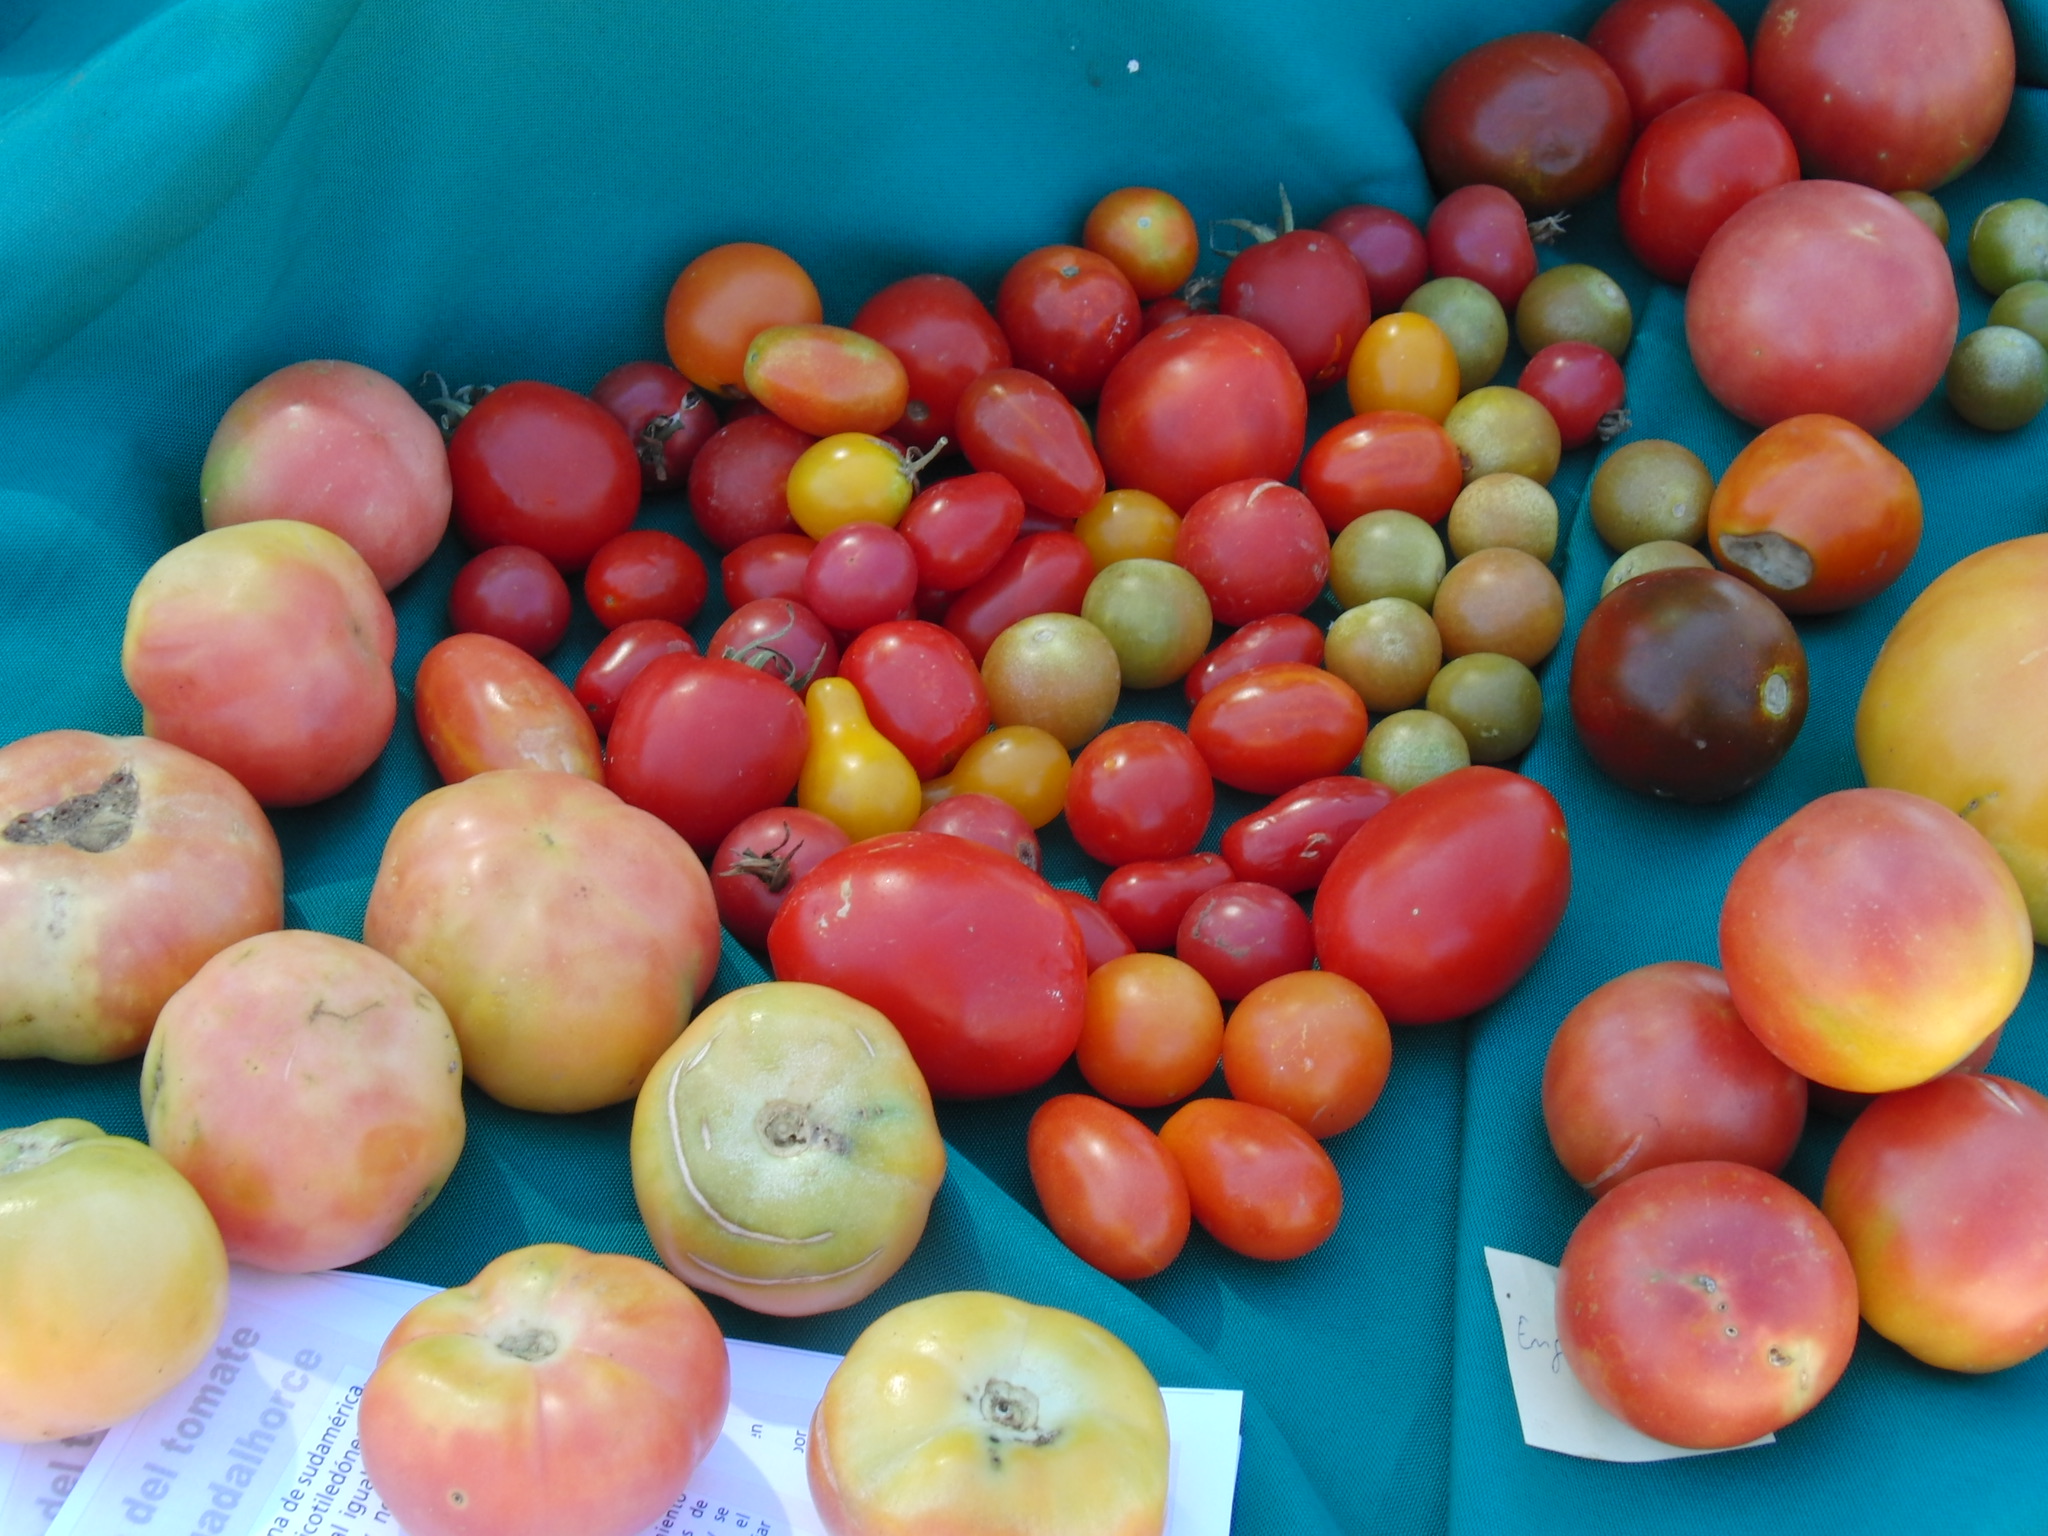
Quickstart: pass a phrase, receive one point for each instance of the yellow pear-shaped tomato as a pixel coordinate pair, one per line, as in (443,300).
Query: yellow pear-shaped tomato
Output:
(854,776)
(1956,708)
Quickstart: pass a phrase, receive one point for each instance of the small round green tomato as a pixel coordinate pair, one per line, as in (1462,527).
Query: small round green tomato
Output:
(2009,244)
(1494,701)
(1055,671)
(1387,650)
(1156,616)
(1657,555)
(1998,378)
(1472,320)
(2024,307)
(1412,748)
(1927,211)
(1500,430)
(1574,303)
(1387,554)
(849,477)
(1652,489)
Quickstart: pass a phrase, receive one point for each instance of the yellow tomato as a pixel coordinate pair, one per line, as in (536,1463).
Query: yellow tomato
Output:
(1019,764)
(1128,525)
(1403,362)
(854,776)
(849,477)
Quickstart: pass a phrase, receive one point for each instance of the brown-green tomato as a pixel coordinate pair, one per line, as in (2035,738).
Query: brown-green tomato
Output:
(1574,302)
(1499,429)
(1472,321)
(1657,555)
(1503,511)
(1651,489)
(1411,748)
(1387,554)
(1055,671)
(1494,701)
(1387,650)
(1155,614)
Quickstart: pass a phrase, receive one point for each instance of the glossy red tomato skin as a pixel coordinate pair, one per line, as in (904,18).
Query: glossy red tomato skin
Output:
(759,862)
(1257,547)
(780,637)
(1291,844)
(1691,169)
(702,743)
(1390,248)
(968,953)
(544,467)
(1667,51)
(1100,935)
(1822,297)
(1481,233)
(1040,573)
(1242,934)
(1261,643)
(1167,310)
(1069,314)
(1440,902)
(768,565)
(1273,728)
(945,338)
(1581,385)
(1259,1184)
(514,593)
(622,656)
(1110,1190)
(642,394)
(1198,404)
(1139,791)
(739,481)
(992,823)
(1863,108)
(960,528)
(1310,293)
(1382,461)
(1017,425)
(482,703)
(922,691)
(1537,113)
(645,573)
(1147,899)
(861,574)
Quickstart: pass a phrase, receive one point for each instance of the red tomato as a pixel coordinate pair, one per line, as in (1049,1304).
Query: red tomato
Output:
(1257,547)
(861,574)
(990,822)
(1259,1184)
(1100,934)
(780,637)
(758,862)
(1139,791)
(1110,1190)
(1270,729)
(1165,311)
(481,703)
(1582,387)
(1689,172)
(1308,291)
(1069,315)
(1383,461)
(960,528)
(1147,899)
(769,565)
(645,574)
(1538,113)
(619,658)
(1041,573)
(1198,404)
(1312,1046)
(702,742)
(1020,427)
(922,692)
(1390,248)
(1261,643)
(1153,1031)
(1440,902)
(722,301)
(945,338)
(543,467)
(667,419)
(1481,233)
(739,481)
(513,593)
(1291,844)
(1241,935)
(1667,51)
(968,953)
(826,379)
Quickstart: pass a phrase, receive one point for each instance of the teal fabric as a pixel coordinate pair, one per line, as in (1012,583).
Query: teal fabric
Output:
(195,192)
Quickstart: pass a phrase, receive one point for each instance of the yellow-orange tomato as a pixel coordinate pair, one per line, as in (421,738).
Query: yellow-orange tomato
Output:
(853,775)
(722,301)
(1313,1046)
(1403,362)
(1152,1030)
(1022,765)
(1149,234)
(824,379)
(849,477)
(1128,525)
(1815,514)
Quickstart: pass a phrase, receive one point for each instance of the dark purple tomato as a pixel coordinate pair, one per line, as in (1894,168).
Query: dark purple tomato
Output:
(739,481)
(1390,248)
(1481,233)
(779,636)
(1307,291)
(860,574)
(514,593)
(668,419)
(1582,387)
(619,658)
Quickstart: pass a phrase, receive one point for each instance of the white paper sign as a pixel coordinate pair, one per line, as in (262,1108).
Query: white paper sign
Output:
(1558,1414)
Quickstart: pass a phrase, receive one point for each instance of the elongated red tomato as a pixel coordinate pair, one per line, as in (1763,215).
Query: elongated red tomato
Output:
(1041,573)
(1019,426)
(482,703)
(1382,461)
(1275,727)
(1292,843)
(1261,643)
(1112,1192)
(1148,899)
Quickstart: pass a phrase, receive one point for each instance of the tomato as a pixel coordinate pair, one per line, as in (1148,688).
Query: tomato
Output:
(860,574)
(780,637)
(1312,1046)
(1440,902)
(1139,791)
(513,593)
(853,774)
(544,467)
(724,299)
(739,481)
(1815,514)
(1291,844)
(1863,109)
(1147,899)
(825,379)
(1273,728)
(1259,1184)
(849,477)
(1667,51)
(758,861)
(1022,765)
(667,419)
(1149,234)
(1198,404)
(1308,291)
(960,528)
(490,1402)
(1257,547)
(1040,573)
(482,703)
(1383,461)
(645,574)
(1167,310)
(1480,233)
(1019,426)
(1403,362)
(1099,931)
(1128,525)
(770,565)
(991,822)
(1261,643)
(945,338)
(1819,296)
(1692,169)
(703,742)
(968,953)
(1582,387)
(1110,1190)
(1538,113)
(1069,315)
(1152,1032)
(1390,248)
(1241,935)
(922,691)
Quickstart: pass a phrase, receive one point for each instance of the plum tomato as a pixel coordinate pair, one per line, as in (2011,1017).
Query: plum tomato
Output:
(739,481)
(1019,764)
(1270,729)
(945,338)
(1241,935)
(703,742)
(769,565)
(645,573)
(1537,113)
(861,574)
(760,859)
(482,703)
(960,528)
(724,299)
(1040,573)
(1403,362)
(1101,936)
(1152,1031)
(1139,791)
(1692,169)
(1110,1191)
(544,467)
(1198,404)
(1257,547)
(1667,51)
(1069,315)
(1261,643)
(779,636)
(513,593)
(620,657)
(1291,844)
(1582,387)
(1312,1046)
(1382,461)
(986,820)
(1148,898)
(1387,244)
(921,689)
(1308,291)
(667,419)
(1440,902)
(1149,234)
(1017,425)
(826,379)
(1481,233)
(1259,1184)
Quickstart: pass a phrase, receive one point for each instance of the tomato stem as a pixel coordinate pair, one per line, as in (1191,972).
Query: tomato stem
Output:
(1549,229)
(453,404)
(655,435)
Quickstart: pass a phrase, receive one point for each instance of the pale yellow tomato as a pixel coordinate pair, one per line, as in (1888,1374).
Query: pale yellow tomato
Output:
(849,477)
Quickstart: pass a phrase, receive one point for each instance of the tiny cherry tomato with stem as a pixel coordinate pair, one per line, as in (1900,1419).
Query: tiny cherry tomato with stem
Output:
(513,593)
(645,573)
(851,477)
(778,636)
(622,656)
(1110,1190)
(1582,387)
(668,419)
(1151,237)
(760,859)
(1303,287)
(1311,1045)
(1241,935)
(1152,1031)
(1259,1184)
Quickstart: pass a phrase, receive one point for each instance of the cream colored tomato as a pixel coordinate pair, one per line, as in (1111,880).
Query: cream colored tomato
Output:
(975,1414)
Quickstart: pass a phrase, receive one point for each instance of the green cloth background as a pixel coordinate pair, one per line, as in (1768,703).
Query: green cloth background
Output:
(195,193)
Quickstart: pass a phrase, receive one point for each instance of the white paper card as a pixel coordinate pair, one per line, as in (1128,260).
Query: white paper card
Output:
(1557,1413)
(35,1480)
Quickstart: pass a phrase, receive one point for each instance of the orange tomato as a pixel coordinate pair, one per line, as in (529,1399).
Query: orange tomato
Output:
(722,301)
(1311,1045)
(825,379)
(1403,362)
(1149,235)
(1152,1030)
(1022,765)
(1128,525)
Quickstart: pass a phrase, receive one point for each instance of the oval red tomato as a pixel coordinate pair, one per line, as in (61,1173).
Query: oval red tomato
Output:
(1110,1190)
(1261,643)
(1147,899)
(1273,728)
(1017,425)
(1291,844)
(482,703)
(1139,791)
(1259,1184)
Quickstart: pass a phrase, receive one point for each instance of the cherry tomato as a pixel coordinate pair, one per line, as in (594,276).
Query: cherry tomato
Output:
(1019,426)
(667,419)
(1480,233)
(645,574)
(1147,899)
(622,656)
(1165,311)
(1069,315)
(722,301)
(481,703)
(1020,764)
(1582,387)
(1139,791)
(1259,1184)
(1152,1032)
(1261,643)
(1404,362)
(1149,234)
(1666,51)
(1308,291)
(1197,404)
(1099,931)
(1241,935)
(1041,573)
(853,773)
(513,593)
(1291,844)
(543,467)
(1111,1192)
(860,574)
(1384,461)
(1128,525)
(760,859)
(960,528)
(1257,547)
(1390,248)
(826,379)
(739,481)
(1538,113)
(1691,169)
(1273,728)
(778,636)
(769,565)
(945,338)
(986,820)
(1312,1046)
(922,691)
(849,477)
